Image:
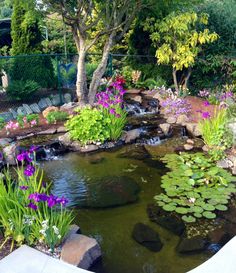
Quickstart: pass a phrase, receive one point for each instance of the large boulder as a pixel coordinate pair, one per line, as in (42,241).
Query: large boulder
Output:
(147,237)
(167,220)
(193,129)
(132,135)
(49,109)
(81,251)
(190,245)
(10,154)
(165,127)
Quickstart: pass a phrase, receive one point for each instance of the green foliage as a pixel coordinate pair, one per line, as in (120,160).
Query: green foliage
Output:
(115,123)
(194,187)
(19,90)
(25,32)
(24,120)
(2,123)
(22,224)
(55,116)
(34,68)
(89,126)
(216,134)
(90,68)
(177,40)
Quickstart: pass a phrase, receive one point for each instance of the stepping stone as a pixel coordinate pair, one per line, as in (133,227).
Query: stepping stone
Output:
(222,262)
(26,259)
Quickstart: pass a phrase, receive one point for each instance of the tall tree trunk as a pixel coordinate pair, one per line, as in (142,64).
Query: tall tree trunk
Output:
(174,73)
(81,83)
(99,72)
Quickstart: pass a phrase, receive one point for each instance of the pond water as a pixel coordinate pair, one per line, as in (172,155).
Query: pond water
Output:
(96,184)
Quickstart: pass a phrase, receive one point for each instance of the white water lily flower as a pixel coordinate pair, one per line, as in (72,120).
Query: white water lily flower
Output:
(192,200)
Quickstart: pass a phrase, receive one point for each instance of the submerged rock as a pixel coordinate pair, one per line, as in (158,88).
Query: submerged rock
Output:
(110,191)
(81,251)
(167,220)
(194,244)
(147,237)
(134,152)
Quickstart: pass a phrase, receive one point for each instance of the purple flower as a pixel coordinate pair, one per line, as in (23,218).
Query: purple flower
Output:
(63,201)
(24,157)
(38,197)
(206,115)
(1,156)
(24,188)
(29,170)
(32,206)
(52,201)
(33,148)
(206,103)
(112,111)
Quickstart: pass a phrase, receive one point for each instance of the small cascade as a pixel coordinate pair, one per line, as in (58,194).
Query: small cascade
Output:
(137,110)
(184,132)
(154,141)
(50,153)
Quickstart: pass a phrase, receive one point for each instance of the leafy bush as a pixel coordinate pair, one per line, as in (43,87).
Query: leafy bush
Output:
(28,213)
(89,126)
(195,187)
(19,90)
(55,116)
(31,119)
(216,134)
(2,123)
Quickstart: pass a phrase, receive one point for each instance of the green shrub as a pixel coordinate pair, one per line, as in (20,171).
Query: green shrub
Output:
(89,126)
(216,134)
(2,123)
(195,187)
(55,116)
(24,120)
(19,90)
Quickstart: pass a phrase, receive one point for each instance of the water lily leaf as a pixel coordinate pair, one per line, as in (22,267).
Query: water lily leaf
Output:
(189,219)
(169,207)
(209,215)
(197,209)
(188,172)
(221,207)
(191,182)
(181,210)
(208,207)
(197,215)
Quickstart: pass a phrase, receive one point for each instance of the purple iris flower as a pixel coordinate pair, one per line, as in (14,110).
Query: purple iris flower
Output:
(32,206)
(33,148)
(52,201)
(112,111)
(63,201)
(29,170)
(24,188)
(24,157)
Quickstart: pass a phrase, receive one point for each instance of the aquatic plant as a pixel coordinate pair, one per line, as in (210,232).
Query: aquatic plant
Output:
(25,203)
(194,187)
(216,134)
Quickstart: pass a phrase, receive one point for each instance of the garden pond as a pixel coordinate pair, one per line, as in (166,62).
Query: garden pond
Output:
(110,192)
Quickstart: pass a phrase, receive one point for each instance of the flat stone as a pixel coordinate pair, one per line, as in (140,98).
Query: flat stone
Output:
(131,135)
(35,108)
(190,141)
(89,148)
(188,147)
(222,262)
(225,163)
(43,104)
(165,127)
(56,100)
(7,116)
(170,222)
(133,91)
(65,139)
(48,101)
(62,129)
(28,110)
(137,99)
(47,132)
(194,244)
(26,259)
(25,137)
(171,120)
(67,98)
(21,111)
(13,112)
(5,141)
(81,251)
(147,237)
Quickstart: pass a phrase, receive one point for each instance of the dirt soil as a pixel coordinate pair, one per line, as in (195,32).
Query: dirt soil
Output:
(197,106)
(5,250)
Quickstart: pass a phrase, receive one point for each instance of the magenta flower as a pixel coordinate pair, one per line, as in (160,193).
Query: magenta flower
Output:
(33,148)
(112,111)
(63,201)
(52,201)
(206,103)
(24,188)
(32,206)
(29,170)
(24,156)
(206,115)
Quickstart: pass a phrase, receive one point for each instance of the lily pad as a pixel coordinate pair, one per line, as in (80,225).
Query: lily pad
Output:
(221,207)
(181,210)
(169,207)
(188,219)
(209,215)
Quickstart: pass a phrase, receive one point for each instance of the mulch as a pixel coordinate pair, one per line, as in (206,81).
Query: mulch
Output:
(5,250)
